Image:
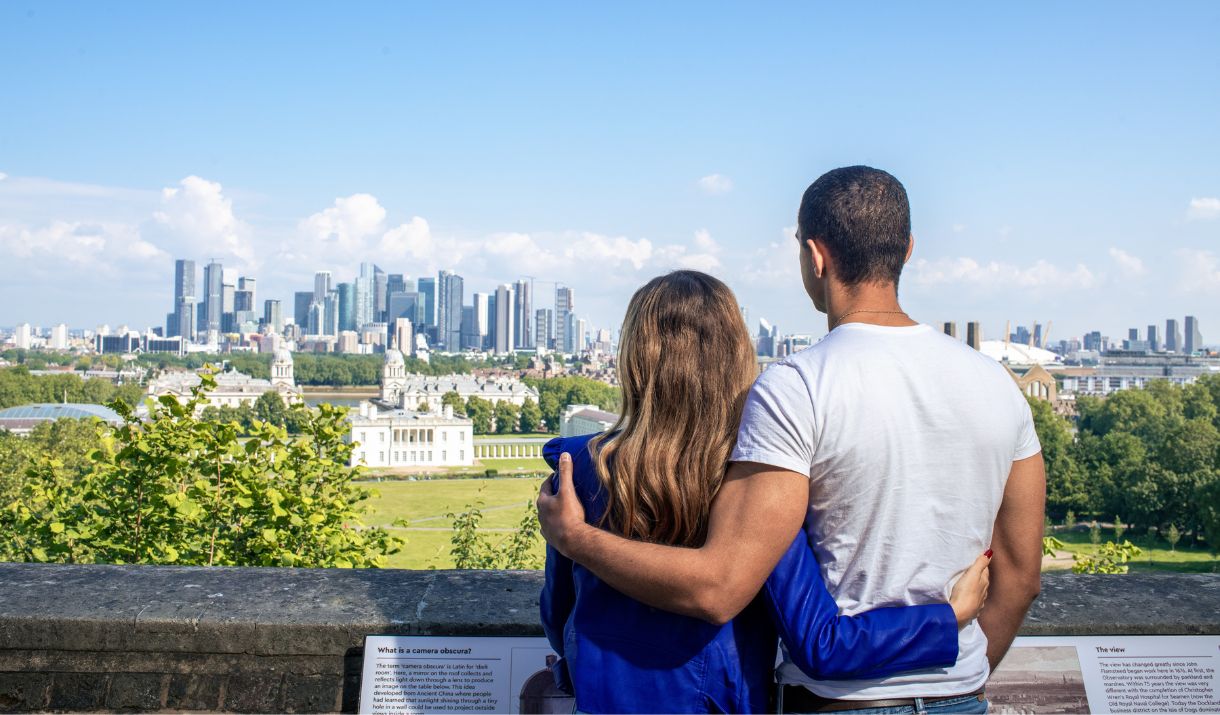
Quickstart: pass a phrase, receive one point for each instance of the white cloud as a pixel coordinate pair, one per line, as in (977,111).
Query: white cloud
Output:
(410,240)
(997,275)
(1131,266)
(715,184)
(958,227)
(1204,208)
(348,222)
(196,216)
(700,256)
(90,247)
(776,263)
(1198,271)
(3,176)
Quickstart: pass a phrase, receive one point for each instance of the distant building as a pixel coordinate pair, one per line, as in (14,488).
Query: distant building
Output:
(950,329)
(544,328)
(301,301)
(1154,344)
(974,334)
(430,389)
(403,334)
(393,377)
(1173,336)
(768,339)
(523,338)
(273,316)
(349,342)
(182,321)
(59,337)
(1036,382)
(565,303)
(23,337)
(427,294)
(233,388)
(585,419)
(321,285)
(211,310)
(405,438)
(347,306)
(481,306)
(364,311)
(471,340)
(405,305)
(504,319)
(23,419)
(1194,339)
(449,310)
(1123,372)
(121,343)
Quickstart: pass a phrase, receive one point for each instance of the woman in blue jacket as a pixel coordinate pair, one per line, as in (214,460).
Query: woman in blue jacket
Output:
(685,366)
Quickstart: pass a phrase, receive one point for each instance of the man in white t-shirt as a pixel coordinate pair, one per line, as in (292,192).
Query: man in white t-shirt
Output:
(902,452)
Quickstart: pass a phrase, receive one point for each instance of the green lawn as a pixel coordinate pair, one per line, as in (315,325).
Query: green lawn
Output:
(515,465)
(1156,556)
(425,503)
(524,435)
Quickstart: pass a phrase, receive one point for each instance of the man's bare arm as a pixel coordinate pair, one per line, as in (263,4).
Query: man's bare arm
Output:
(1016,566)
(754,518)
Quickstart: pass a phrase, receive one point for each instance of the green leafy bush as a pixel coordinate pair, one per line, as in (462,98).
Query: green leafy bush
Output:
(181,489)
(1111,558)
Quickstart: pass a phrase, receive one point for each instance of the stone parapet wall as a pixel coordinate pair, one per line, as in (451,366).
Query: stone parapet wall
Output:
(289,640)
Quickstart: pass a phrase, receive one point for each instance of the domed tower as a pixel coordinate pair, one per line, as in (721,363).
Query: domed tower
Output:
(281,370)
(393,377)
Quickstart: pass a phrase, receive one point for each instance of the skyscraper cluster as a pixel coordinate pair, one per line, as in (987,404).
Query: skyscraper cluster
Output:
(378,309)
(1174,341)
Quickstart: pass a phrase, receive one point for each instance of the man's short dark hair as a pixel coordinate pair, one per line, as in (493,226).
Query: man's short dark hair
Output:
(862,216)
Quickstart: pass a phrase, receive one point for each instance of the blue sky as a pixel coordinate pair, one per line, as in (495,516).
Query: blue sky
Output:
(1062,160)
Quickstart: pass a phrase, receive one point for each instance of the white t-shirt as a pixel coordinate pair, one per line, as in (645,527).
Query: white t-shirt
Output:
(908,437)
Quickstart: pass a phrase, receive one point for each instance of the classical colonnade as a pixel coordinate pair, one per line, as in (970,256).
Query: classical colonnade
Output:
(509,450)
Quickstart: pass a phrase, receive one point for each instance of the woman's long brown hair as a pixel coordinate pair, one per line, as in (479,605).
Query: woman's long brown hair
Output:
(685,364)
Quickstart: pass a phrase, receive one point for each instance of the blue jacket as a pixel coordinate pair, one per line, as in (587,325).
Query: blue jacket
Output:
(620,655)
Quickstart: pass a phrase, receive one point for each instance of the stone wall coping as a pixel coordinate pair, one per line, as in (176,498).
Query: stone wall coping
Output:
(324,611)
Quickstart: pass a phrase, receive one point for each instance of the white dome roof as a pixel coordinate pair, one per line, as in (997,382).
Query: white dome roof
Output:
(393,357)
(283,355)
(1015,354)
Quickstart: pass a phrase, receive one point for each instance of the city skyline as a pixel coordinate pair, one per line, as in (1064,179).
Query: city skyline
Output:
(1057,171)
(375,297)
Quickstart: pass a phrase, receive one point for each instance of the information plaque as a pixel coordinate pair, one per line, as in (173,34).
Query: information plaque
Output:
(426,674)
(1108,674)
(1069,674)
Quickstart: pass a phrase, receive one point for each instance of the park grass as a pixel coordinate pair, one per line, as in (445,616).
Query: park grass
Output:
(1156,556)
(424,504)
(504,466)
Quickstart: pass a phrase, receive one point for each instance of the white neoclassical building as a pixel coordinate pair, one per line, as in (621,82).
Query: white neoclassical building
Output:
(509,448)
(393,378)
(585,419)
(233,389)
(404,438)
(408,391)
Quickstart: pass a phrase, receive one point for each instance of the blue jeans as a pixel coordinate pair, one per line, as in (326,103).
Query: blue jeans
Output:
(963,704)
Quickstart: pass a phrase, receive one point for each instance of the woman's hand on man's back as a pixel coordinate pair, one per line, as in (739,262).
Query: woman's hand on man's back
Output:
(970,591)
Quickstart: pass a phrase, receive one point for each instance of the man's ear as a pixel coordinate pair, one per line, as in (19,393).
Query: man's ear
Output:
(910,248)
(818,256)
